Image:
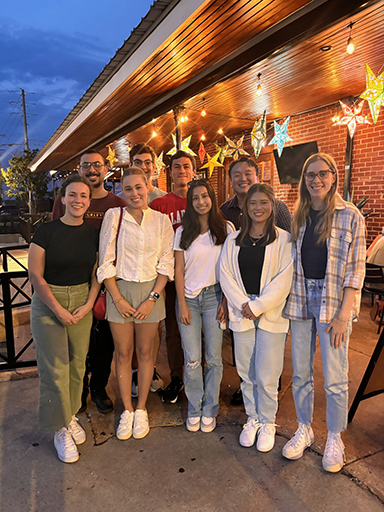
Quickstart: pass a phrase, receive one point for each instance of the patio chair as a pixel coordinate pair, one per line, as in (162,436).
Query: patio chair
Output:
(374,284)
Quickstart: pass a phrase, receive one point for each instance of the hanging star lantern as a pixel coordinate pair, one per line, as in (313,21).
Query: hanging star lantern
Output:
(222,151)
(234,149)
(374,93)
(259,133)
(281,135)
(184,146)
(212,163)
(159,162)
(352,117)
(201,152)
(111,156)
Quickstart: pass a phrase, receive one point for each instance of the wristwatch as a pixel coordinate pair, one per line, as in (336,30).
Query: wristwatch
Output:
(154,296)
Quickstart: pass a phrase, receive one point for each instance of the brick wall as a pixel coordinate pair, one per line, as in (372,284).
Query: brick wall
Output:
(367,160)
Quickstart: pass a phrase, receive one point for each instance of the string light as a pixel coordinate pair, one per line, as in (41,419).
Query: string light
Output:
(220,131)
(203,112)
(350,43)
(258,88)
(202,137)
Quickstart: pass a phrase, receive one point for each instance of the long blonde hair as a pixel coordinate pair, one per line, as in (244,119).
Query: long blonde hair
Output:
(304,202)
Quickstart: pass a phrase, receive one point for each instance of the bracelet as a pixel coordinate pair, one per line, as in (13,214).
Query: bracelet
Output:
(118,300)
(155,296)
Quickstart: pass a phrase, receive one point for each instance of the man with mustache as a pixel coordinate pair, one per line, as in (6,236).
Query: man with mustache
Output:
(93,168)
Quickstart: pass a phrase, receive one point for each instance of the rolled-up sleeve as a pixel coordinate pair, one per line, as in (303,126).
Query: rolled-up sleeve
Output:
(355,266)
(166,263)
(107,245)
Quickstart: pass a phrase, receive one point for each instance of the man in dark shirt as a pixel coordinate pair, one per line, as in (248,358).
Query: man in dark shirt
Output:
(93,169)
(243,174)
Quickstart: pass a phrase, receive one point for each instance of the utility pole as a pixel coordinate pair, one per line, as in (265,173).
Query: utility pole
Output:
(26,145)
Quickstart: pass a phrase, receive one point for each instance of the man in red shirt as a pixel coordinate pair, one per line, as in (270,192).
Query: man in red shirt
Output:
(182,169)
(100,354)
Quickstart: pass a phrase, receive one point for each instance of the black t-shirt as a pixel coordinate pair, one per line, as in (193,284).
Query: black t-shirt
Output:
(313,255)
(70,252)
(251,260)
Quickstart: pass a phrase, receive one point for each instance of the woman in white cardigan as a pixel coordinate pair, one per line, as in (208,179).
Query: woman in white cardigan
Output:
(255,276)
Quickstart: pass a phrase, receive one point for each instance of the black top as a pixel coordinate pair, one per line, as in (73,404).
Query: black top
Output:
(70,252)
(313,255)
(251,260)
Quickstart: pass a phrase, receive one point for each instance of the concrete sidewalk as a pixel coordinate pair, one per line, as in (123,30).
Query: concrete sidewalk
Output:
(172,469)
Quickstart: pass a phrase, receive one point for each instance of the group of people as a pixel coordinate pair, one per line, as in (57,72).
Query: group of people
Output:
(201,268)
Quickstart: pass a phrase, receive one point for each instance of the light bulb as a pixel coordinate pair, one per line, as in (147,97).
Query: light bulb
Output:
(220,130)
(258,90)
(202,137)
(203,113)
(154,134)
(350,46)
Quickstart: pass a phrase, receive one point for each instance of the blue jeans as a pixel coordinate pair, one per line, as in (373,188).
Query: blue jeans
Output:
(259,359)
(335,364)
(202,391)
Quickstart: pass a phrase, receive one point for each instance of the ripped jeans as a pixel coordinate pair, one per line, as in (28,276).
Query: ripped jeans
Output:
(202,390)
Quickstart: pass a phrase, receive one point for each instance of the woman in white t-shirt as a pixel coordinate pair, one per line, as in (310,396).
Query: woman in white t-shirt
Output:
(197,246)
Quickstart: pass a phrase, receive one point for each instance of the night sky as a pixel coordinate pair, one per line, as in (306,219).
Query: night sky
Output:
(54,51)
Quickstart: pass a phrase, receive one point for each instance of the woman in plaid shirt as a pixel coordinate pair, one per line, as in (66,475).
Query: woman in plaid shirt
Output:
(329,266)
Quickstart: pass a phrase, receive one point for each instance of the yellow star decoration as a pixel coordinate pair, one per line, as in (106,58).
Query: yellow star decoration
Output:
(111,156)
(259,133)
(184,146)
(222,151)
(234,149)
(212,163)
(374,93)
(159,162)
(352,117)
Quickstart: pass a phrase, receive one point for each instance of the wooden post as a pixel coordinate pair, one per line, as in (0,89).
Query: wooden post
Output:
(348,166)
(176,113)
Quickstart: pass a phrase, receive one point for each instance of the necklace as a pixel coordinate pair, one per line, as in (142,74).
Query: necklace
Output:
(255,239)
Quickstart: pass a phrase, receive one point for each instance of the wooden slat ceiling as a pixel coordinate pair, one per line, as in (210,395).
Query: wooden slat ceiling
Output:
(295,78)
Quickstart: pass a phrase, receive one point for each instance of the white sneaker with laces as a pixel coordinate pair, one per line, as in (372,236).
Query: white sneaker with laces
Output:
(266,437)
(124,429)
(248,434)
(207,424)
(76,430)
(65,446)
(193,424)
(302,439)
(333,458)
(140,424)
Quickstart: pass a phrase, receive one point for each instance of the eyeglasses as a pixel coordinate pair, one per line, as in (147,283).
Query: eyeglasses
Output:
(310,176)
(85,166)
(140,163)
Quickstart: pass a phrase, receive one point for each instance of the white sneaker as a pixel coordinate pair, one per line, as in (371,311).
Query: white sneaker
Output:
(140,424)
(193,424)
(76,431)
(266,437)
(302,439)
(248,434)
(65,446)
(333,458)
(207,424)
(124,429)
(135,386)
(157,382)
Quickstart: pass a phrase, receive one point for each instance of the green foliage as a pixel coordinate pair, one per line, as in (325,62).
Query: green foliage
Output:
(20,180)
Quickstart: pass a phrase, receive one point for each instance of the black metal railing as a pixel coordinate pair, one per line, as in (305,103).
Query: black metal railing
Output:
(14,295)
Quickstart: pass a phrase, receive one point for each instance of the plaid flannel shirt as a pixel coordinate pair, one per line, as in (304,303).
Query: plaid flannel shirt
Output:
(345,266)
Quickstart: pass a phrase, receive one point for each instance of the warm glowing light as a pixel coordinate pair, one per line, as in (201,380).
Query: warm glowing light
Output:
(154,134)
(202,137)
(335,119)
(203,113)
(259,90)
(182,119)
(153,121)
(220,130)
(351,46)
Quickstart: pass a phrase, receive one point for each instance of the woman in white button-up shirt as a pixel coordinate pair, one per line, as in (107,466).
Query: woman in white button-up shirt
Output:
(135,284)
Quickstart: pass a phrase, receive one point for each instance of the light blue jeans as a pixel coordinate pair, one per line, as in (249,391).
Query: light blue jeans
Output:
(202,390)
(259,358)
(335,364)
